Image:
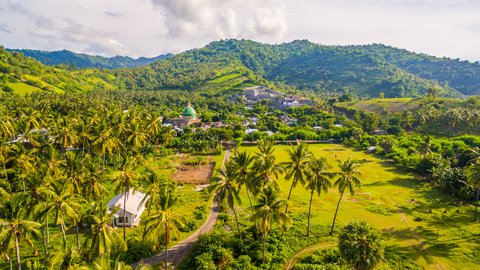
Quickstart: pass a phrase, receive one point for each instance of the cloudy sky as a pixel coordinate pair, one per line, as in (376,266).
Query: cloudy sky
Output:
(151,27)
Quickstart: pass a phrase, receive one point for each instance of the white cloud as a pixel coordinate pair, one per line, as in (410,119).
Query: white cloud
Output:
(150,27)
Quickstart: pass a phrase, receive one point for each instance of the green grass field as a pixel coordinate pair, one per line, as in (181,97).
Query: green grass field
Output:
(398,205)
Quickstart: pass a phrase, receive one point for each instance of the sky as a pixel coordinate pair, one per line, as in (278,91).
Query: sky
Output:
(148,28)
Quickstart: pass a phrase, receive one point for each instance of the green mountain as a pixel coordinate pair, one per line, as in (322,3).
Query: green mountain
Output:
(23,75)
(364,70)
(81,60)
(367,70)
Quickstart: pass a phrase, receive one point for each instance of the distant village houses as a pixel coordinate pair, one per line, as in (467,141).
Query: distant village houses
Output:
(277,99)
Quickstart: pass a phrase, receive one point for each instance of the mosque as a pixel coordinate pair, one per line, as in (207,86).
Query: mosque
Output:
(189,116)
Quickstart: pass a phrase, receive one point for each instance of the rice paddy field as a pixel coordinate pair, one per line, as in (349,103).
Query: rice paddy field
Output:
(430,227)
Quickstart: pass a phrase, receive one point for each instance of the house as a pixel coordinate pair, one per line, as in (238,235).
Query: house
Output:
(135,205)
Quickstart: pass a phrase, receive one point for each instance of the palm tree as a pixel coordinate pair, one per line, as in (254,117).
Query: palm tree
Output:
(266,169)
(348,179)
(360,246)
(102,238)
(61,200)
(473,175)
(242,162)
(14,224)
(296,167)
(106,143)
(269,210)
(318,179)
(164,222)
(125,179)
(425,147)
(226,188)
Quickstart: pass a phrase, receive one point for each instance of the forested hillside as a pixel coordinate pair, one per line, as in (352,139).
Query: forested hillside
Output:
(22,75)
(362,70)
(81,60)
(365,71)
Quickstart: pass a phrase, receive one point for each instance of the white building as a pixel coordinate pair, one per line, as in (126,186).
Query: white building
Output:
(134,208)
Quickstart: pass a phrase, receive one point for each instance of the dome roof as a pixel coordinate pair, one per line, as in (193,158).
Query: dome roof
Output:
(189,111)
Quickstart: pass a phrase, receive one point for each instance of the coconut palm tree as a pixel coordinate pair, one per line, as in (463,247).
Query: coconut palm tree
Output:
(226,188)
(14,224)
(125,179)
(243,162)
(318,179)
(106,143)
(348,179)
(102,238)
(360,245)
(165,222)
(269,210)
(425,148)
(64,203)
(296,167)
(266,168)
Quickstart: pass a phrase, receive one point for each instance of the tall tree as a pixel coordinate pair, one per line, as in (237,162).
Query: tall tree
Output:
(125,179)
(226,189)
(348,179)
(64,203)
(164,222)
(296,167)
(15,225)
(269,210)
(266,168)
(318,180)
(102,239)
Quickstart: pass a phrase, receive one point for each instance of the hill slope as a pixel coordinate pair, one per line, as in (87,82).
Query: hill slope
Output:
(364,70)
(23,75)
(87,61)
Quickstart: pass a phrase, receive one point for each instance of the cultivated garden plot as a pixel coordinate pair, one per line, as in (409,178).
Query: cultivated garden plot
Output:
(432,228)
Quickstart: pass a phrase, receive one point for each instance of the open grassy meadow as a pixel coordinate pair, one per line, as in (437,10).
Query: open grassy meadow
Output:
(430,227)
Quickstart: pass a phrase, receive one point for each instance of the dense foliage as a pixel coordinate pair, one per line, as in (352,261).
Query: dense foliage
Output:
(81,60)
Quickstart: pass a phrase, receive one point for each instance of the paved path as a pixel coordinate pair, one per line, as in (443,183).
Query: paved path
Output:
(178,252)
(309,249)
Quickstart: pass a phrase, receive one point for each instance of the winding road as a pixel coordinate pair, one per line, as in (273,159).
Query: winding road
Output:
(178,252)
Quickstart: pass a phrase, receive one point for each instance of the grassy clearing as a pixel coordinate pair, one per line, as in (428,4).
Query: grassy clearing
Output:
(23,88)
(399,208)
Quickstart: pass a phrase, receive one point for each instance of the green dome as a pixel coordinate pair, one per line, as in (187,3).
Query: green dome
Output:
(189,111)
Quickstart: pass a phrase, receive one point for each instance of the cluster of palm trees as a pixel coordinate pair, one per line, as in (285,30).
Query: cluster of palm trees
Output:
(56,157)
(258,173)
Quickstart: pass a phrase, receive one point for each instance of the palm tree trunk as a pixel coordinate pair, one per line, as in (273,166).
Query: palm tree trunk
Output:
(124,215)
(251,206)
(476,204)
(103,164)
(309,213)
(236,221)
(17,249)
(77,232)
(263,247)
(10,262)
(48,231)
(5,171)
(62,226)
(288,198)
(44,242)
(167,238)
(336,211)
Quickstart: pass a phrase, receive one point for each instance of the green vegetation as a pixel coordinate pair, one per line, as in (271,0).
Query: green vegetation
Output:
(81,60)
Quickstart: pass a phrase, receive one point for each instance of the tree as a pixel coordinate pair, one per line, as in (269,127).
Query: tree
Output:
(102,239)
(296,167)
(125,179)
(226,188)
(242,162)
(473,176)
(360,246)
(164,222)
(348,178)
(425,148)
(60,199)
(318,180)
(14,224)
(266,169)
(269,210)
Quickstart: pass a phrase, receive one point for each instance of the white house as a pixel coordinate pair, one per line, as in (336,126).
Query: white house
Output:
(134,208)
